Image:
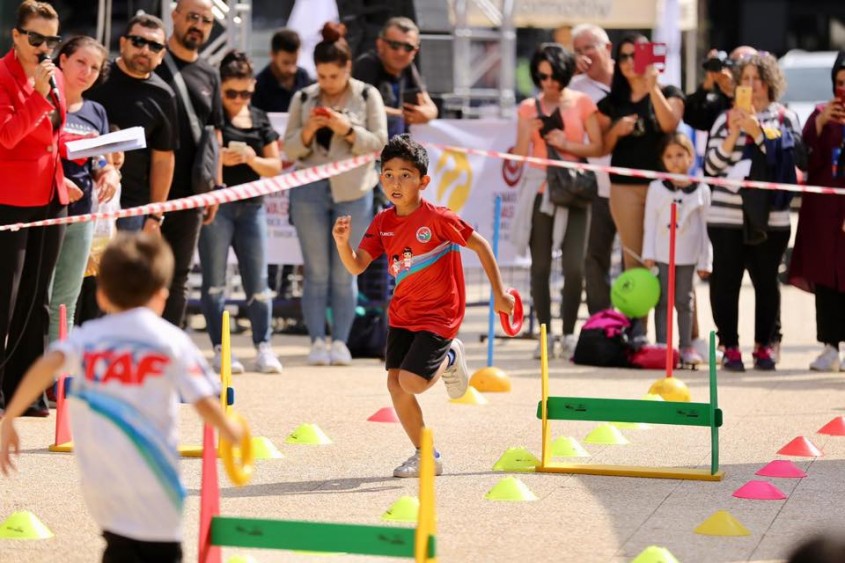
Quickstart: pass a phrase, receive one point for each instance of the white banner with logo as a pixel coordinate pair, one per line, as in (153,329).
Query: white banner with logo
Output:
(467,184)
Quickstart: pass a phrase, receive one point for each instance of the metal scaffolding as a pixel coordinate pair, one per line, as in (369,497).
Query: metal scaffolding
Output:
(480,52)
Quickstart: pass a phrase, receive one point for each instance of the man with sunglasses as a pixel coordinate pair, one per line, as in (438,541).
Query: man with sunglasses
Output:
(134,96)
(193,21)
(391,69)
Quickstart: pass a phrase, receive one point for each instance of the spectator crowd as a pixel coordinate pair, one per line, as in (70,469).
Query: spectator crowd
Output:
(207,128)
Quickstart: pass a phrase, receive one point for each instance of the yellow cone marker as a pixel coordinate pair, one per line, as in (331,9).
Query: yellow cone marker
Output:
(722,523)
(566,446)
(510,489)
(405,509)
(309,434)
(263,448)
(471,397)
(24,525)
(516,459)
(606,434)
(490,380)
(655,554)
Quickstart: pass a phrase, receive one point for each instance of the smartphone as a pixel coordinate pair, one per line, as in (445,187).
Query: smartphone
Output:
(321,111)
(409,96)
(742,98)
(648,54)
(237,146)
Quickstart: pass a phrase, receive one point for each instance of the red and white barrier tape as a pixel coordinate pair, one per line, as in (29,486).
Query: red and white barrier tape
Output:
(724,182)
(260,187)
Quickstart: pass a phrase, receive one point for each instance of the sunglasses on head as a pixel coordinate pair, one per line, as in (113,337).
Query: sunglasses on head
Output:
(140,42)
(235,94)
(36,39)
(396,45)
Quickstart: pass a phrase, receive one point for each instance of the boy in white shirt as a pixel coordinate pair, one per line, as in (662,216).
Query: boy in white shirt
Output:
(131,368)
(692,246)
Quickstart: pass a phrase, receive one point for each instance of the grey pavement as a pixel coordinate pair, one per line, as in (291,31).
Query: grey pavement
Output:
(576,518)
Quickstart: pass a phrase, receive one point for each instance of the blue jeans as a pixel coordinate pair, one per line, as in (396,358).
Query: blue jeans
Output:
(327,282)
(67,277)
(243,226)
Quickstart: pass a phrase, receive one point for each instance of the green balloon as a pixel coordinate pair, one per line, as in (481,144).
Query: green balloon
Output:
(635,292)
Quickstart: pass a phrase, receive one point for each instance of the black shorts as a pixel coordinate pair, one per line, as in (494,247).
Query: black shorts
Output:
(120,549)
(420,352)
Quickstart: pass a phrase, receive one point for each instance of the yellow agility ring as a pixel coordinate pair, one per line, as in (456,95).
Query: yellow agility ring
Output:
(239,464)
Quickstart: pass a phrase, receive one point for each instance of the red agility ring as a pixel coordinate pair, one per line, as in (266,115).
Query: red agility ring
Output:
(513,328)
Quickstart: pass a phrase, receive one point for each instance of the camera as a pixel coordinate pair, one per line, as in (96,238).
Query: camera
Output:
(717,63)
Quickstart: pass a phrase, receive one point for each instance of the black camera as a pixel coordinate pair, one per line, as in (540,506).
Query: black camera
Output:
(718,62)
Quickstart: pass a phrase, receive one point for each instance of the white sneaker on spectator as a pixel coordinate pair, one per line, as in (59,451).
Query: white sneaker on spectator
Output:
(266,360)
(567,346)
(828,360)
(550,347)
(319,354)
(217,363)
(340,354)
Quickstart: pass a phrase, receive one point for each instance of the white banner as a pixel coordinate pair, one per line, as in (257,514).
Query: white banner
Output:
(469,184)
(282,244)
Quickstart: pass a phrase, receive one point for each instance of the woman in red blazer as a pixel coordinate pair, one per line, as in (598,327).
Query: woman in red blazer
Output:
(32,187)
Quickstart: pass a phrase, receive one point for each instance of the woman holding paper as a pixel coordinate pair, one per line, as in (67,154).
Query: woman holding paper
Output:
(749,229)
(32,112)
(82,61)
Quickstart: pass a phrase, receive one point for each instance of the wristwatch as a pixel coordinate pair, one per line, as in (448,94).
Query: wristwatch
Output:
(157,218)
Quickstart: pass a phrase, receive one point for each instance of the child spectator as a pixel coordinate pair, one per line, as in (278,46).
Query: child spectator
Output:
(692,247)
(131,367)
(428,303)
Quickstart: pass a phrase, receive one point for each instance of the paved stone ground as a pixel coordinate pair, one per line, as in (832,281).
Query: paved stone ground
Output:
(577,518)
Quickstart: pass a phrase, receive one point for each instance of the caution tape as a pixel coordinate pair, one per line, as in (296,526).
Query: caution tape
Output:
(260,187)
(649,174)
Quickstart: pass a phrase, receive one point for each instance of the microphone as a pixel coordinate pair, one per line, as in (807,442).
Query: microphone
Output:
(54,87)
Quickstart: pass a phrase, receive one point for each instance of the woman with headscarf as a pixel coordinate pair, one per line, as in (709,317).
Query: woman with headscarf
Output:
(818,259)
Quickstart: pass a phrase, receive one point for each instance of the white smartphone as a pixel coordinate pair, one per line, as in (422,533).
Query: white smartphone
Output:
(237,146)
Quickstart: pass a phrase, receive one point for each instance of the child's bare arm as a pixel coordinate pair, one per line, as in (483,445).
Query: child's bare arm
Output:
(37,378)
(355,262)
(210,411)
(502,301)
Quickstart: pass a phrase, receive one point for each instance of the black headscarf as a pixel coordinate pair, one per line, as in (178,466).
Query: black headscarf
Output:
(838,65)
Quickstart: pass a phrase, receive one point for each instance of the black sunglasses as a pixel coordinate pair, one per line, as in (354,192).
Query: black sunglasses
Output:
(235,94)
(36,39)
(625,56)
(140,42)
(396,45)
(543,76)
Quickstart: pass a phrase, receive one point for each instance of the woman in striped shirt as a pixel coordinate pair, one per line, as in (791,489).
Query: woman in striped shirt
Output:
(738,242)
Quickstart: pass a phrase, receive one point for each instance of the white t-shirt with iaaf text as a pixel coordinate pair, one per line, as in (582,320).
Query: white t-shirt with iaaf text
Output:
(130,371)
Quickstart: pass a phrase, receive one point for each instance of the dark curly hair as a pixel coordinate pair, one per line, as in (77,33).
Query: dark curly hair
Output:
(769,70)
(561,61)
(235,65)
(405,148)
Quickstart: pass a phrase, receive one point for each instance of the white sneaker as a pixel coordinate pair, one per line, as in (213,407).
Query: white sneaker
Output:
(567,346)
(339,354)
(456,376)
(411,466)
(319,354)
(828,360)
(266,360)
(550,347)
(237,366)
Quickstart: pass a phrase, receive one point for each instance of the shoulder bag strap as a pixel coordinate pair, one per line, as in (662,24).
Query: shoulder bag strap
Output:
(196,128)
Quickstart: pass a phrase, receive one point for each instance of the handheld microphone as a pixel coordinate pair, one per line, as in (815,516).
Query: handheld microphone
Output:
(54,87)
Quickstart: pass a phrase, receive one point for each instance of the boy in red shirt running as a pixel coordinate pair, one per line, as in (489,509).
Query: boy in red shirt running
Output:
(428,302)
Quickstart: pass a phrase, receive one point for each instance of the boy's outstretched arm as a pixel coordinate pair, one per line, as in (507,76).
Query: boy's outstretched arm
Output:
(210,411)
(502,301)
(355,262)
(37,378)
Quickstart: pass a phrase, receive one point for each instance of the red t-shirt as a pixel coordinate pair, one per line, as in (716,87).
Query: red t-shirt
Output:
(423,254)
